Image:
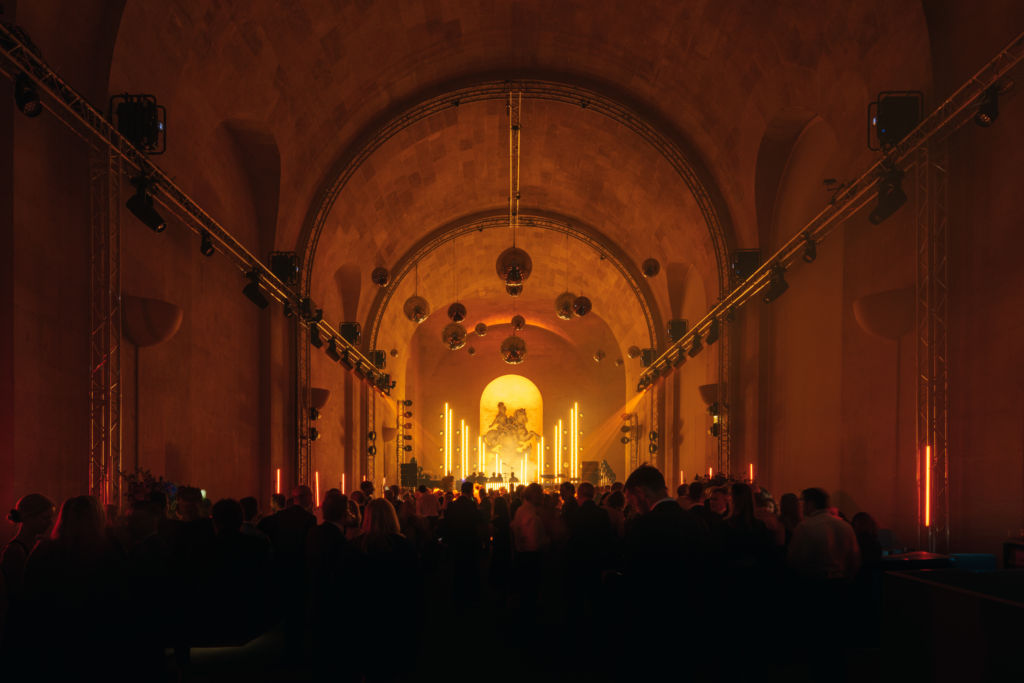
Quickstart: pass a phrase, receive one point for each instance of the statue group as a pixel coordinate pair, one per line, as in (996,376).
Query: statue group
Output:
(510,436)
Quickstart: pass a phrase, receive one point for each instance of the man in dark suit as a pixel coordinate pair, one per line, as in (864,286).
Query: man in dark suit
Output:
(327,563)
(665,557)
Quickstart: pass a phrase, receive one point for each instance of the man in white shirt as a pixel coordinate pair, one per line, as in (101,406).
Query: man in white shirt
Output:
(824,546)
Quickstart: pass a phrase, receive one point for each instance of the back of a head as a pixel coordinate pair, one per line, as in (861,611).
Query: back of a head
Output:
(80,520)
(585,491)
(650,480)
(30,508)
(380,518)
(681,491)
(467,489)
(334,506)
(789,506)
(302,495)
(816,497)
(864,525)
(277,501)
(500,508)
(696,491)
(422,489)
(615,500)
(567,489)
(534,494)
(250,508)
(742,502)
(189,499)
(227,515)
(366,487)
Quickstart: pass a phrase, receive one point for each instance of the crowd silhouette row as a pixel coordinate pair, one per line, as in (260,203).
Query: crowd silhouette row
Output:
(627,573)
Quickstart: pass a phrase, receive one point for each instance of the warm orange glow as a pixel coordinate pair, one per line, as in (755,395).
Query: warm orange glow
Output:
(343,482)
(682,477)
(710,473)
(927,486)
(277,486)
(316,479)
(751,472)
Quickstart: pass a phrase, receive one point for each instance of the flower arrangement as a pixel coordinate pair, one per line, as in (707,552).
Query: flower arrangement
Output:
(141,485)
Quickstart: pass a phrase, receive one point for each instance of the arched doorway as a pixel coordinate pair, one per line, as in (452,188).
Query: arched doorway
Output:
(511,425)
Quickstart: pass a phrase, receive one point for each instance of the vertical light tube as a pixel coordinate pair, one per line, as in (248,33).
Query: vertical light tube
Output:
(710,473)
(682,477)
(751,473)
(316,480)
(928,485)
(343,489)
(277,486)
(558,452)
(463,447)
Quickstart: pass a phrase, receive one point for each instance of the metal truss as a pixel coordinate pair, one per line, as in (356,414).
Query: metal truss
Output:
(956,110)
(76,113)
(932,320)
(105,321)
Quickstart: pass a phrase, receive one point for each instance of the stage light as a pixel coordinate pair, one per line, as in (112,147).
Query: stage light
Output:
(332,350)
(252,290)
(988,110)
(27,97)
(890,196)
(141,205)
(314,336)
(810,248)
(713,332)
(777,286)
(696,348)
(205,244)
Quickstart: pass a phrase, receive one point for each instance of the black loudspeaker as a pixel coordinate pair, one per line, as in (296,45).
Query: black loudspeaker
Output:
(407,472)
(379,359)
(285,265)
(745,262)
(676,330)
(351,333)
(647,357)
(892,116)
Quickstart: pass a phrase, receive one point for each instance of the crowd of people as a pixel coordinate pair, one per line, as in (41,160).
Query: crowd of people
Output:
(625,573)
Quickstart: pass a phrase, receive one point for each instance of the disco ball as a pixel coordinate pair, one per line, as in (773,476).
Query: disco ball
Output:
(380,277)
(599,356)
(518,323)
(633,352)
(581,306)
(457,312)
(650,267)
(514,267)
(454,335)
(618,362)
(563,305)
(471,351)
(513,350)
(480,329)
(416,309)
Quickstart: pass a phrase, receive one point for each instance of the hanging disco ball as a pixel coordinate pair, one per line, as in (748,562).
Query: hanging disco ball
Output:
(650,267)
(599,356)
(454,335)
(471,351)
(518,323)
(633,352)
(581,306)
(380,277)
(563,305)
(416,309)
(480,329)
(514,267)
(618,362)
(513,350)
(457,312)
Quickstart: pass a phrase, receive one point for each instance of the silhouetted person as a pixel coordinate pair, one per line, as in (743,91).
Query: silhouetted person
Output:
(823,547)
(251,516)
(664,550)
(567,492)
(463,532)
(587,552)
(287,531)
(386,573)
(865,528)
(694,496)
(501,545)
(34,516)
(531,538)
(789,514)
(327,561)
(73,589)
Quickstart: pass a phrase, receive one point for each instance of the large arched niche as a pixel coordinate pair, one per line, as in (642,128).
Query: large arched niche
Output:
(500,404)
(562,366)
